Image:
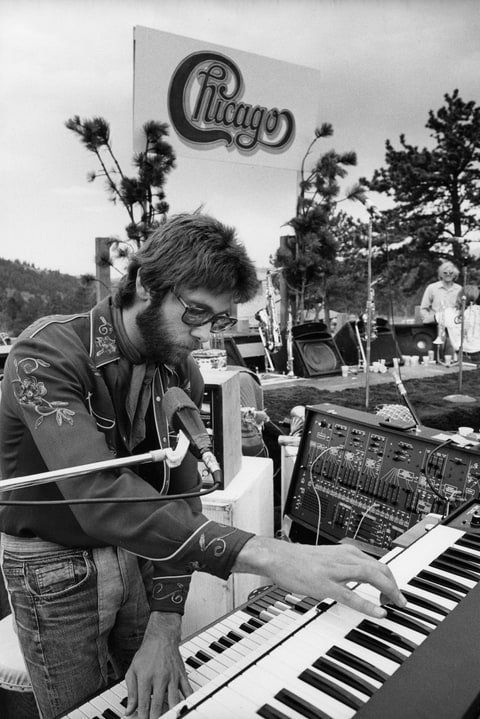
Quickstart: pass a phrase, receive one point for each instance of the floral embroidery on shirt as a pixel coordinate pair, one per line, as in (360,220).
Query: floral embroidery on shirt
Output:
(30,392)
(105,344)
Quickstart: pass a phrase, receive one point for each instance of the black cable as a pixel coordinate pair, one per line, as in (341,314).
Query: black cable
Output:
(111,500)
(427,463)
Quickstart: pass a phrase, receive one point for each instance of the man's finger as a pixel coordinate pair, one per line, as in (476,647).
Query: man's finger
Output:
(131,682)
(185,687)
(158,704)
(144,700)
(356,601)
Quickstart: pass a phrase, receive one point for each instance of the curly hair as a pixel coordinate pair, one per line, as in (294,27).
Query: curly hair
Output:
(191,251)
(448,265)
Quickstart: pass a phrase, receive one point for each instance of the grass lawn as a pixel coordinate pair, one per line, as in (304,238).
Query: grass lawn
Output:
(426,396)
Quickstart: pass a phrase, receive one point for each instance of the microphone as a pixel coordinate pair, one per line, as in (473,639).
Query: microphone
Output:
(184,415)
(403,393)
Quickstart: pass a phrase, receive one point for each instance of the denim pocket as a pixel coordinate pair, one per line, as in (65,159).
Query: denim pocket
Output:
(52,577)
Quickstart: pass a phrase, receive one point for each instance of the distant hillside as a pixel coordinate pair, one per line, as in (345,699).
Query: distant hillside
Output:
(27,293)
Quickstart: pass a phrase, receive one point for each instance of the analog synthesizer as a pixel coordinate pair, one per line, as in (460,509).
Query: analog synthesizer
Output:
(357,476)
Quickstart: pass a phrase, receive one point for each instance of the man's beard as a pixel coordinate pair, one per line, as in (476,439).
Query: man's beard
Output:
(160,338)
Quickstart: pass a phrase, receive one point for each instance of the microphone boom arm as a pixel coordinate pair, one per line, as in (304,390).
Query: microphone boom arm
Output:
(173,457)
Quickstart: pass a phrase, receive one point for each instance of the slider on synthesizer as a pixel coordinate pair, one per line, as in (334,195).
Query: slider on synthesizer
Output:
(356,478)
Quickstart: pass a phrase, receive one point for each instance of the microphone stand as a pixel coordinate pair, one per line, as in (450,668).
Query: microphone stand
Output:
(460,398)
(368,348)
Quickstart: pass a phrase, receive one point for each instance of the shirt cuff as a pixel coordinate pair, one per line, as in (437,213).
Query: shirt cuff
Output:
(169,594)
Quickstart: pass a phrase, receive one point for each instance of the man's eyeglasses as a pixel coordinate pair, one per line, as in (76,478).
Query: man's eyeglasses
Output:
(195,316)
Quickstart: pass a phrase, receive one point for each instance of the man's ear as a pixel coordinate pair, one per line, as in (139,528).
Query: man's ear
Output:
(142,293)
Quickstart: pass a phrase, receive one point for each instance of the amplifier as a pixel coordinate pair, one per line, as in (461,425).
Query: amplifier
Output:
(357,477)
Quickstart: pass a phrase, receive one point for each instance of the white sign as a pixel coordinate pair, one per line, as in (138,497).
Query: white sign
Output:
(224,104)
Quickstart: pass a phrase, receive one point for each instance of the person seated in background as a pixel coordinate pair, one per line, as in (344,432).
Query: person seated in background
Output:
(471,323)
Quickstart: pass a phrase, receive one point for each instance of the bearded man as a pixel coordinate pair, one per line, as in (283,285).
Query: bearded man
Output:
(96,580)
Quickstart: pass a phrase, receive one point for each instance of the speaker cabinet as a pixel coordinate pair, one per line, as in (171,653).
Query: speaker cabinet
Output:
(383,345)
(245,350)
(314,351)
(416,339)
(314,357)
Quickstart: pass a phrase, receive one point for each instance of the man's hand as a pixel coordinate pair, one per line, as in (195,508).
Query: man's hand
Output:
(157,672)
(320,572)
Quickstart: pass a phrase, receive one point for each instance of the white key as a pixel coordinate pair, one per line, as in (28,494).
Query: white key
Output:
(76,714)
(113,702)
(261,686)
(89,711)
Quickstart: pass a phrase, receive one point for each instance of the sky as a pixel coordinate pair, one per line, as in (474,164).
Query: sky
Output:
(383,63)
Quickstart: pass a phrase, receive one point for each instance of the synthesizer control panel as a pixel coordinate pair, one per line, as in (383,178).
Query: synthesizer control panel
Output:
(356,478)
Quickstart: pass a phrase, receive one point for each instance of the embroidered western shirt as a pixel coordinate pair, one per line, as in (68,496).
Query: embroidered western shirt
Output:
(59,409)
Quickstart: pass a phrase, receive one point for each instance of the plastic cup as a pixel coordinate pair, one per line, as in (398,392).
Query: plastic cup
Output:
(344,370)
(465,431)
(448,360)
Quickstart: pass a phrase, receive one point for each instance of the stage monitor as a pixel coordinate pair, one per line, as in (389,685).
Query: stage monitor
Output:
(220,412)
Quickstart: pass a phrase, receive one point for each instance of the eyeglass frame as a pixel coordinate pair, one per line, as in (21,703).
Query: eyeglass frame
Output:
(209,320)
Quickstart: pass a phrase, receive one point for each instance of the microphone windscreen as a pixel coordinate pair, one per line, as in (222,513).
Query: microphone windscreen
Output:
(174,400)
(395,412)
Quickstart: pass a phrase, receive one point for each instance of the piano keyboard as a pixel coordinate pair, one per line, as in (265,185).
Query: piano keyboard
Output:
(326,661)
(218,646)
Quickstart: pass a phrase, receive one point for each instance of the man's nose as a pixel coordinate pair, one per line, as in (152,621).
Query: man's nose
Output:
(201,333)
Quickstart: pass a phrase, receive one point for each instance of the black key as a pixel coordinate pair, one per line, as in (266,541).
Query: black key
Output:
(475,538)
(328,667)
(443,581)
(434,588)
(408,622)
(263,604)
(414,613)
(463,559)
(110,714)
(245,627)
(193,662)
(219,648)
(330,688)
(256,623)
(417,614)
(454,567)
(285,696)
(226,642)
(425,603)
(376,630)
(234,636)
(124,701)
(203,656)
(466,541)
(341,655)
(365,640)
(255,611)
(268,712)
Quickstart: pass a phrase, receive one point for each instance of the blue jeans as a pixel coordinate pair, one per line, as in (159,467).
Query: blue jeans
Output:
(79,612)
